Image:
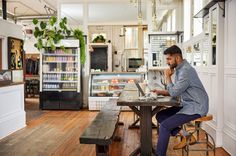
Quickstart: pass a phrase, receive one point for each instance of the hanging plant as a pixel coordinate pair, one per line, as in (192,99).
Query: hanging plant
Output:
(49,34)
(78,34)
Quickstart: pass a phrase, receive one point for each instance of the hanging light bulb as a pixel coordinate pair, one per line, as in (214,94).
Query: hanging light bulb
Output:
(140,16)
(154,16)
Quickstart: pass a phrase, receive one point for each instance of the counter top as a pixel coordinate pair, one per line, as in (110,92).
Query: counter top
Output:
(117,72)
(11,84)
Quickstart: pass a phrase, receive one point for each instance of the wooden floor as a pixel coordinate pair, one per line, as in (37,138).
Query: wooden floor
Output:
(57,133)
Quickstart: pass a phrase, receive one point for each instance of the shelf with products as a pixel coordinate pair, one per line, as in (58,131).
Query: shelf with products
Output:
(60,76)
(158,42)
(106,87)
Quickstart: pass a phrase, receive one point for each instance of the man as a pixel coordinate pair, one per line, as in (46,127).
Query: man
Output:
(193,100)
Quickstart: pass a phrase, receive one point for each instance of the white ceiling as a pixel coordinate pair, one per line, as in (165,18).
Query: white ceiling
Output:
(103,13)
(100,11)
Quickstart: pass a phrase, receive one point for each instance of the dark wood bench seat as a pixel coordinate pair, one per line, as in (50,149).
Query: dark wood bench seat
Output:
(101,131)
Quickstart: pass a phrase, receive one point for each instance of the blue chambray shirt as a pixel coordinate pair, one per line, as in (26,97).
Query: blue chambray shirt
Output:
(188,86)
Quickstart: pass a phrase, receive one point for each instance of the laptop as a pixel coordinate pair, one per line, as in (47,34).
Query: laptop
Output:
(139,88)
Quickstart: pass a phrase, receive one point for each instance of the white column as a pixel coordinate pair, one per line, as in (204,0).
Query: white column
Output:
(86,69)
(220,75)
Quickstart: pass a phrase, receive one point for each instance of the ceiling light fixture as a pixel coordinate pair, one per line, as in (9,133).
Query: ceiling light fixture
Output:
(154,16)
(140,14)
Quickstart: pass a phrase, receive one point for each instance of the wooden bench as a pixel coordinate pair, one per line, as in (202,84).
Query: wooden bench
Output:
(101,131)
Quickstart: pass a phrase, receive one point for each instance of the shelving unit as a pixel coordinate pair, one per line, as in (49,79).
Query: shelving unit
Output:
(60,77)
(106,87)
(158,42)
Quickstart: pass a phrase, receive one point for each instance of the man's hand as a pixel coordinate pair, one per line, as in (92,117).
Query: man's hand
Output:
(168,72)
(160,92)
(155,91)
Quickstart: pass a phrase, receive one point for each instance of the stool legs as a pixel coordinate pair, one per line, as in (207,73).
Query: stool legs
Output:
(208,146)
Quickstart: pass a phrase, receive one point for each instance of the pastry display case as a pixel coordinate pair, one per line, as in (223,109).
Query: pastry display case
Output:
(106,87)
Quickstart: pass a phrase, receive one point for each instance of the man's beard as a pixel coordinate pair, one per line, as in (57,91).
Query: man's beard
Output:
(172,66)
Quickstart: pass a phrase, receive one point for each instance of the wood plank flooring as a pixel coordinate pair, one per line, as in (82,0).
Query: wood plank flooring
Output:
(57,133)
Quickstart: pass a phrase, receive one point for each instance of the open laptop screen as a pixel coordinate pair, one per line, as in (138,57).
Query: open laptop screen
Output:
(139,88)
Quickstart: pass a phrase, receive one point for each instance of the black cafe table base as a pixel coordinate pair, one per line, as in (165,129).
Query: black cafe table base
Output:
(144,109)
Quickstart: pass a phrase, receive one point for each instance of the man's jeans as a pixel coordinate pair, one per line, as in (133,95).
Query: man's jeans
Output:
(170,123)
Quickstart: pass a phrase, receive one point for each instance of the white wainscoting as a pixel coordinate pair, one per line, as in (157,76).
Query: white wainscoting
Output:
(229,132)
(208,78)
(12,113)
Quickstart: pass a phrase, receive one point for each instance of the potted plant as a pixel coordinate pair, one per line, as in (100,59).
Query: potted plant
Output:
(49,34)
(99,39)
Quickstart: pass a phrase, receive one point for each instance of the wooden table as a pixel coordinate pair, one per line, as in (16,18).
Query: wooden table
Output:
(145,109)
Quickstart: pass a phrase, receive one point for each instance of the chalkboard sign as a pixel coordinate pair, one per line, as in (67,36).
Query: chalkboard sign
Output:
(99,58)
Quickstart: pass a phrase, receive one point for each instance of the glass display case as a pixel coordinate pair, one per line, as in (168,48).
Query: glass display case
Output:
(106,87)
(60,77)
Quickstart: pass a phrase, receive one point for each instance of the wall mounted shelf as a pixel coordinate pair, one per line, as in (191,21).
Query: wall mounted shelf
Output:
(205,10)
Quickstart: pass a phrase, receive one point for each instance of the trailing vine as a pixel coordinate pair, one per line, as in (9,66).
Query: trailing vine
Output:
(49,34)
(78,34)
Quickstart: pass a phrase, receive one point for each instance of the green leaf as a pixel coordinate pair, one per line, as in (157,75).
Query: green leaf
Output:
(63,48)
(53,47)
(52,20)
(43,25)
(62,25)
(40,44)
(68,32)
(36,32)
(35,21)
(64,20)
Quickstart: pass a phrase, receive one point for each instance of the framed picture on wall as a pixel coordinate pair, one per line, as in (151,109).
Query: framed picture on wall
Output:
(15,53)
(5,77)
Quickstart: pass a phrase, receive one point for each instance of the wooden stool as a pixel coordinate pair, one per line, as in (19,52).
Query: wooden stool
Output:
(209,146)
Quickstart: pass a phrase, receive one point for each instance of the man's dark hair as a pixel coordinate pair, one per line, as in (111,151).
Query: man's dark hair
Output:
(173,50)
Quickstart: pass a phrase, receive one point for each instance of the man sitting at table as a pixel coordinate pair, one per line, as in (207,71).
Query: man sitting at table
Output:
(193,100)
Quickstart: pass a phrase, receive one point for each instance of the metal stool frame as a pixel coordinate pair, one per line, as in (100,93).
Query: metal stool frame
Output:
(210,146)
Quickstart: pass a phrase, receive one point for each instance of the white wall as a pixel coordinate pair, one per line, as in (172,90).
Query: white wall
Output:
(8,29)
(220,82)
(229,132)
(220,79)
(29,46)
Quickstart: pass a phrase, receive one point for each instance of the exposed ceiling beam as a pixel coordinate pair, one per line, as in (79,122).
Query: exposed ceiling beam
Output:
(24,5)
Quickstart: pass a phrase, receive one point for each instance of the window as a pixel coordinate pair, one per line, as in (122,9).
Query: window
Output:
(131,42)
(173,27)
(169,23)
(197,22)
(187,17)
(131,38)
(213,35)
